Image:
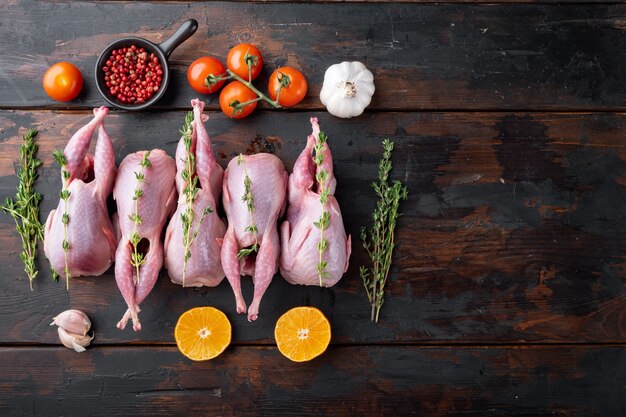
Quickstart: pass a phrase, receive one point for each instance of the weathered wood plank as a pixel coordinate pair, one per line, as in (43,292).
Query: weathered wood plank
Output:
(514,229)
(423,56)
(394,1)
(345,381)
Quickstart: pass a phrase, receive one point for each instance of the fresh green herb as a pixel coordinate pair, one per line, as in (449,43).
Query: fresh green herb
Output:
(324,221)
(64,195)
(59,157)
(136,258)
(379,241)
(248,198)
(247,251)
(190,191)
(25,207)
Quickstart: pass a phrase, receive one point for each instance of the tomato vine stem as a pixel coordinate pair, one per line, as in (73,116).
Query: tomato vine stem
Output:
(284,82)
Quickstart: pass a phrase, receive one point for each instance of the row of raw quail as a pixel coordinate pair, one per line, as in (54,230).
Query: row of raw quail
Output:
(149,187)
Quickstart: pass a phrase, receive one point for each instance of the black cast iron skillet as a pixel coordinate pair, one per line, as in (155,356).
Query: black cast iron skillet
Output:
(162,51)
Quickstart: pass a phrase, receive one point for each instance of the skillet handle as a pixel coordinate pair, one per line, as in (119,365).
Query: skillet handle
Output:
(181,35)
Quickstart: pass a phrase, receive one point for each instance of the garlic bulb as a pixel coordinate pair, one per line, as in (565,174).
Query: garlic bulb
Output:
(348,89)
(74,326)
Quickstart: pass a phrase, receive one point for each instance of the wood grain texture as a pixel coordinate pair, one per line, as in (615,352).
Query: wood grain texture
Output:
(346,381)
(513,231)
(430,56)
(508,293)
(394,1)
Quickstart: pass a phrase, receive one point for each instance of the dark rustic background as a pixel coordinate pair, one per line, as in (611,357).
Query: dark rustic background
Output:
(508,292)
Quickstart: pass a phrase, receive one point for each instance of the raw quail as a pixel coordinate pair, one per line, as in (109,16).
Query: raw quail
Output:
(268,184)
(145,196)
(300,237)
(89,233)
(204,265)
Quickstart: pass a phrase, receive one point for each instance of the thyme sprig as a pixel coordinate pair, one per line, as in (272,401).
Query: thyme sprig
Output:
(25,207)
(137,258)
(190,191)
(324,221)
(64,195)
(248,198)
(379,240)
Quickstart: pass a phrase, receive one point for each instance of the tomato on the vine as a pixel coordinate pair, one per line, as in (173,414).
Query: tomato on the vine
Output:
(231,98)
(200,69)
(294,86)
(63,81)
(240,56)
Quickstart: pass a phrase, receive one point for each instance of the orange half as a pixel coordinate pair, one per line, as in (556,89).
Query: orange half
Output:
(302,333)
(202,333)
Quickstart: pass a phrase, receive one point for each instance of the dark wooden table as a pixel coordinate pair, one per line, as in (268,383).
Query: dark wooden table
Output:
(508,292)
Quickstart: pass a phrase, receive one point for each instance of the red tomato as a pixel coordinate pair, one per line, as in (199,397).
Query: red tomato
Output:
(62,81)
(200,69)
(293,92)
(238,59)
(236,93)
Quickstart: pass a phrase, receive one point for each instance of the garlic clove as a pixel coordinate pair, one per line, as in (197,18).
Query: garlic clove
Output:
(74,341)
(73,321)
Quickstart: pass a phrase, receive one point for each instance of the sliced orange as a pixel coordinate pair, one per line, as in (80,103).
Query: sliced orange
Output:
(202,333)
(302,333)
